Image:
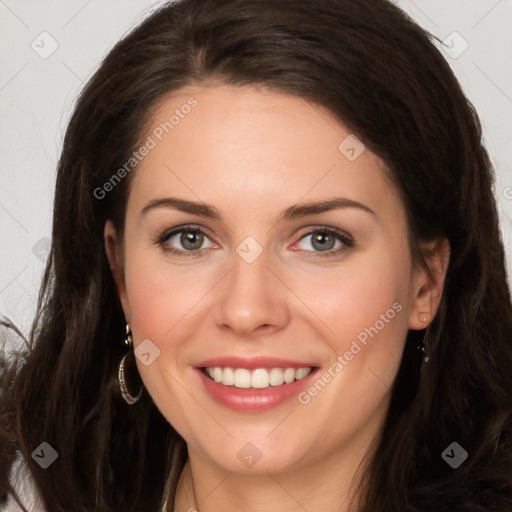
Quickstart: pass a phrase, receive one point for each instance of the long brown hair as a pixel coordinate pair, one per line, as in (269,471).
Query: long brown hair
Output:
(379,74)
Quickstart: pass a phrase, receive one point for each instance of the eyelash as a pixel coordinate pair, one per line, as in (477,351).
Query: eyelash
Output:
(338,234)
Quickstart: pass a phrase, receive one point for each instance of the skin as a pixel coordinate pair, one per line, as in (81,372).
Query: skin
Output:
(252,153)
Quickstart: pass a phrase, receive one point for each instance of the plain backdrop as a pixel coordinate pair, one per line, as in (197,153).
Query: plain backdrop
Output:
(49,49)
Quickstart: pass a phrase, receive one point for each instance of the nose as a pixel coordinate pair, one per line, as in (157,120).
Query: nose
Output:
(253,301)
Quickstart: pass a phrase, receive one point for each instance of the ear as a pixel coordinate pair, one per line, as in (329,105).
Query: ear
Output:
(114,252)
(428,290)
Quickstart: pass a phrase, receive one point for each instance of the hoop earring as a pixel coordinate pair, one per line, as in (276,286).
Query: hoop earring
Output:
(127,397)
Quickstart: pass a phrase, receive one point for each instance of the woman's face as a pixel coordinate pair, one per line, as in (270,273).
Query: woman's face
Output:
(228,268)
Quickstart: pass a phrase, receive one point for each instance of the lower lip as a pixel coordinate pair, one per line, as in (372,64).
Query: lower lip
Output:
(254,400)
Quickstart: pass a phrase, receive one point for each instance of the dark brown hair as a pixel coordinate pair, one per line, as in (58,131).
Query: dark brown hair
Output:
(378,73)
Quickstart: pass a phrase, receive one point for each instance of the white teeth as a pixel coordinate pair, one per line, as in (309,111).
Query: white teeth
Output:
(217,374)
(289,375)
(242,378)
(301,373)
(260,378)
(228,377)
(276,377)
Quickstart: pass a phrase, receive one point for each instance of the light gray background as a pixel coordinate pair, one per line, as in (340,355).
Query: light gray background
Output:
(37,95)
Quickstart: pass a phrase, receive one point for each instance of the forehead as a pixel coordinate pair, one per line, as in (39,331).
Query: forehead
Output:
(260,146)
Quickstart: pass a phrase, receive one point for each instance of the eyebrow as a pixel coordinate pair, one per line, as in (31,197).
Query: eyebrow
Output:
(290,213)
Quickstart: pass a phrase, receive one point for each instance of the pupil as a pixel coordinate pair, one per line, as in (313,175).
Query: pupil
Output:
(190,238)
(323,239)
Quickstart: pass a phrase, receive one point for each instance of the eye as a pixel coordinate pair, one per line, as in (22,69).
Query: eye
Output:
(190,238)
(322,241)
(187,241)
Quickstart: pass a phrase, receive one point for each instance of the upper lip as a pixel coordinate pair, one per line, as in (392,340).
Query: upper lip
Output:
(251,363)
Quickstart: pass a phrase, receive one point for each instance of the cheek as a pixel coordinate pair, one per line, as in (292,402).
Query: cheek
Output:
(159,295)
(375,324)
(162,298)
(365,308)
(357,295)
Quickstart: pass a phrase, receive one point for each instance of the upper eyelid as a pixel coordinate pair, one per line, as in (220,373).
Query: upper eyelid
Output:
(189,227)
(336,231)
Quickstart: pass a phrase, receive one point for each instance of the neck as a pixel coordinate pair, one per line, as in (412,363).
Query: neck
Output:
(185,500)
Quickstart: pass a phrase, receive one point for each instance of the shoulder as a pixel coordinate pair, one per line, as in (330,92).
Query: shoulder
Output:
(24,484)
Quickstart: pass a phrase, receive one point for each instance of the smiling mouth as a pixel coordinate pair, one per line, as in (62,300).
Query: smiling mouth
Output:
(259,378)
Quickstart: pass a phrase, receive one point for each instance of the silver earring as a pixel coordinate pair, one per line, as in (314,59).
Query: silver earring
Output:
(424,318)
(423,349)
(425,355)
(127,397)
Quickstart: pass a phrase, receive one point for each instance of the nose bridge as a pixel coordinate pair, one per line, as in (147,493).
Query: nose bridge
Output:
(252,296)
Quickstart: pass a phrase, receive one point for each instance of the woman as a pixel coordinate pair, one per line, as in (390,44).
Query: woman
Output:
(285,211)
